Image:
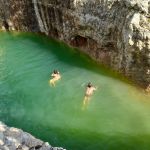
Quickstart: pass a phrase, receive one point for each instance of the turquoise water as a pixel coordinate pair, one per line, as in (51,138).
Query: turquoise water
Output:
(117,118)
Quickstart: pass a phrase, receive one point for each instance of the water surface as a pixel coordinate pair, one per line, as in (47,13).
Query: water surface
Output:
(117,118)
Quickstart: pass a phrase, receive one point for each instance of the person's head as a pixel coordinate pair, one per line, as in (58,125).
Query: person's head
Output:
(56,72)
(89,84)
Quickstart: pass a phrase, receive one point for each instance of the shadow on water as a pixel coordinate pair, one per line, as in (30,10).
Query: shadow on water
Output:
(72,55)
(99,141)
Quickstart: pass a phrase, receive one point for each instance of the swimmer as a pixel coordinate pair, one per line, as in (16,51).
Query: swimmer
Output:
(56,76)
(88,93)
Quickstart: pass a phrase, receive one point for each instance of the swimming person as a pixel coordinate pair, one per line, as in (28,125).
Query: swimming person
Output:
(56,76)
(88,93)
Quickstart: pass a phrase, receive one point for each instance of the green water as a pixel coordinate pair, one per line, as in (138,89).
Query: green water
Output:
(117,118)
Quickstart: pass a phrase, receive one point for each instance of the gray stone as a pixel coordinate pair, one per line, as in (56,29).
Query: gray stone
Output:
(16,139)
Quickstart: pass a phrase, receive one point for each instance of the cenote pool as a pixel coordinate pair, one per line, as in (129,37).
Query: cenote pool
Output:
(117,118)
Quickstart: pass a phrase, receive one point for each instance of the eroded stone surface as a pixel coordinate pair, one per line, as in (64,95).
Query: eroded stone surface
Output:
(16,139)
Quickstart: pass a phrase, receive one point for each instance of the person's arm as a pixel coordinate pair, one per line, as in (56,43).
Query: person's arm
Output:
(95,88)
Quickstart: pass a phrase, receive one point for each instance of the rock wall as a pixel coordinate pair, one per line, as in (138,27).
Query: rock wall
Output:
(16,139)
(113,32)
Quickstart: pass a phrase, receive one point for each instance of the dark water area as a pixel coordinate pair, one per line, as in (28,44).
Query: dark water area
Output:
(118,115)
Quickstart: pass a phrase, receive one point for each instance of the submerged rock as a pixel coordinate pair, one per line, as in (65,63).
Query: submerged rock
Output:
(113,32)
(16,139)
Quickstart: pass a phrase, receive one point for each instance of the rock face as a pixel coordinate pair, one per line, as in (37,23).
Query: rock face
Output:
(16,139)
(113,32)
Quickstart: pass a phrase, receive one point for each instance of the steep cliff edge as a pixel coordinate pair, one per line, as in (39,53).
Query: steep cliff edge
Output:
(113,32)
(16,139)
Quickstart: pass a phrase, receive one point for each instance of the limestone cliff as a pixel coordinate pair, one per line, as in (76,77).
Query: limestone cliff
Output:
(113,32)
(16,139)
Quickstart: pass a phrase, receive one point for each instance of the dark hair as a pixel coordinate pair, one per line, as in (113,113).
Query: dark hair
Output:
(89,84)
(55,71)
